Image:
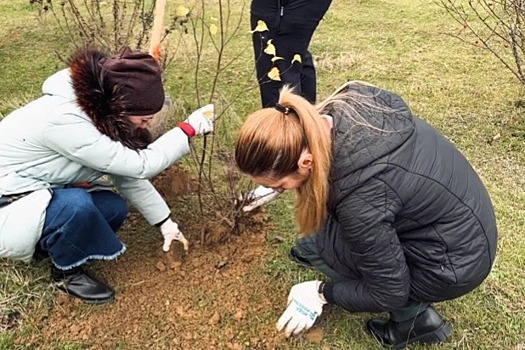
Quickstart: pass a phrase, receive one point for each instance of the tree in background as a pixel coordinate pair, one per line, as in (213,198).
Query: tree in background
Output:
(495,25)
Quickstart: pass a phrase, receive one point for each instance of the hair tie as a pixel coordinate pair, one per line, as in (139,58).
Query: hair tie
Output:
(282,108)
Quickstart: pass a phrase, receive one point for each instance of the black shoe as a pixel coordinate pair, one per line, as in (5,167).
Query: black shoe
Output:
(295,257)
(76,282)
(40,255)
(427,327)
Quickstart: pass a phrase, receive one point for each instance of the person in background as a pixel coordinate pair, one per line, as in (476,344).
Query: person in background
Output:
(57,152)
(387,208)
(289,27)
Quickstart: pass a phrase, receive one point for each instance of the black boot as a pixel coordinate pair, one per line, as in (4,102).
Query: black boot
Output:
(40,255)
(427,327)
(298,259)
(77,283)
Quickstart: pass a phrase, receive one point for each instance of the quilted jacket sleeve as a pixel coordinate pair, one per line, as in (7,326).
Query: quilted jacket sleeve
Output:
(365,219)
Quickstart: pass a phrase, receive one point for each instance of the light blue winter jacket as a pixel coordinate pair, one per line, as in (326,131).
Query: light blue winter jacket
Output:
(50,143)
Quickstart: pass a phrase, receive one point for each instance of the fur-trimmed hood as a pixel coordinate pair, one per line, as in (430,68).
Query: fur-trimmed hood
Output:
(100,103)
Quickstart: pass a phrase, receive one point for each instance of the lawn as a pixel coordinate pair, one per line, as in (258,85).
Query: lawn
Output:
(401,45)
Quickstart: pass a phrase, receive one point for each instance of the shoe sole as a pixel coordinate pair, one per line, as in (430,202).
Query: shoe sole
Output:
(433,337)
(97,301)
(87,301)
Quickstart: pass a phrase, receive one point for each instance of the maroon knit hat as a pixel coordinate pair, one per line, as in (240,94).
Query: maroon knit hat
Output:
(135,76)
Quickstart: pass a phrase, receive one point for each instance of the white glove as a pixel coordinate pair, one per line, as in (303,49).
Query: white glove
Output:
(258,197)
(171,232)
(304,305)
(202,119)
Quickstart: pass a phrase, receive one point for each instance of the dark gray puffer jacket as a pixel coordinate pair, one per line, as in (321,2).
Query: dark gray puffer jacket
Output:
(408,217)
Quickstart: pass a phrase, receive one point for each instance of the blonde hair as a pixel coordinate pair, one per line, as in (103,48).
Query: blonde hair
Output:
(270,143)
(358,107)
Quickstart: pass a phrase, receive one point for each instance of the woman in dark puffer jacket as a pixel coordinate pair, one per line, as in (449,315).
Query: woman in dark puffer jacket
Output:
(401,218)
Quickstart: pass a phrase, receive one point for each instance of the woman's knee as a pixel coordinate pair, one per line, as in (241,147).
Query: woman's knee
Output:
(119,211)
(121,207)
(113,207)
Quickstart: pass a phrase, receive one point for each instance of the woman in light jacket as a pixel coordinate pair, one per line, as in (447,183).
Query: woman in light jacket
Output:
(57,151)
(399,216)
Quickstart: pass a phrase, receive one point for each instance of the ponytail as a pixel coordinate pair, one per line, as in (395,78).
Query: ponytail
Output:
(270,143)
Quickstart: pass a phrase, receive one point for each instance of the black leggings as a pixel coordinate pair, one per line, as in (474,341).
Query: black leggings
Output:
(291,24)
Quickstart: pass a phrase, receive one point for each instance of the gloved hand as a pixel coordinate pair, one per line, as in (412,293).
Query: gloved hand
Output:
(202,119)
(258,197)
(304,305)
(171,232)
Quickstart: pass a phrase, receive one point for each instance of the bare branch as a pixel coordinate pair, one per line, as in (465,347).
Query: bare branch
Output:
(496,25)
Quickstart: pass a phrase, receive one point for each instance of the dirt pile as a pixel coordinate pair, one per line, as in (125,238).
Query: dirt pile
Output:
(211,298)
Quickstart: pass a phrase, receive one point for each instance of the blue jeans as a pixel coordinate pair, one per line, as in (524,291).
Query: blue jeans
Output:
(81,226)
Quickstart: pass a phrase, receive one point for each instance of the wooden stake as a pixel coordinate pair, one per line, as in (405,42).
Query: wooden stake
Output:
(158,29)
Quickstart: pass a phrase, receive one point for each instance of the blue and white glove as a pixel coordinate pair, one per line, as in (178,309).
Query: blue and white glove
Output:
(305,304)
(258,197)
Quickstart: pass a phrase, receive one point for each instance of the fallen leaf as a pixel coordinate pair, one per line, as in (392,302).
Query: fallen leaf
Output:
(277,58)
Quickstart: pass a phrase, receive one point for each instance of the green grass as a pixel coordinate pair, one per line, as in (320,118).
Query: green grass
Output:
(401,45)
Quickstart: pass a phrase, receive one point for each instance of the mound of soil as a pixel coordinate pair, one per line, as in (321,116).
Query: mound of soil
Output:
(211,298)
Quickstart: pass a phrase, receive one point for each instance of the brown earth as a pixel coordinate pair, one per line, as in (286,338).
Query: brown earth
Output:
(214,297)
